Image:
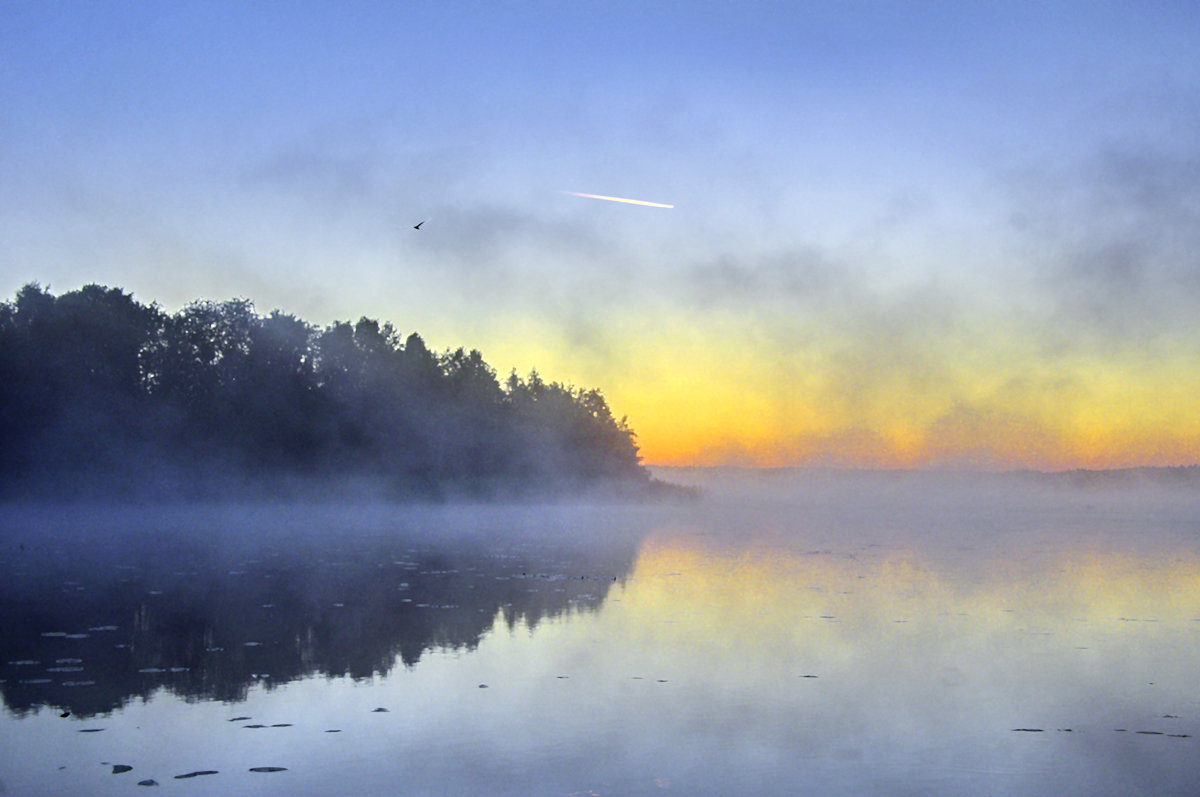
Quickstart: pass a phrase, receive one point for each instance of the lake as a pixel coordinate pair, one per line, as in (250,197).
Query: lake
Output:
(799,634)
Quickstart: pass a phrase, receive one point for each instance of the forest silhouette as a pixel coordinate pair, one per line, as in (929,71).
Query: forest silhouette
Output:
(102,396)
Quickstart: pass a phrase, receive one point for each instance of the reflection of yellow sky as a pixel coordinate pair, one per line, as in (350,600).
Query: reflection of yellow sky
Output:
(763,595)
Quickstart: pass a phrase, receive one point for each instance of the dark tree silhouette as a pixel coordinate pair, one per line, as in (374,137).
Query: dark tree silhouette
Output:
(100,394)
(70,369)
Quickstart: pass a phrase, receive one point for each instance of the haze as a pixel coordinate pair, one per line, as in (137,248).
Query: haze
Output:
(906,235)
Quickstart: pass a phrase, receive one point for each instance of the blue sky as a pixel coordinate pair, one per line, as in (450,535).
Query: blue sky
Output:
(876,204)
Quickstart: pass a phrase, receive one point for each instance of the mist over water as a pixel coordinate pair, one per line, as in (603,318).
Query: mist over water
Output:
(850,633)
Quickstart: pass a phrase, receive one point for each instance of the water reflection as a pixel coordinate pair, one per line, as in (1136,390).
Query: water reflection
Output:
(829,641)
(102,609)
(1036,647)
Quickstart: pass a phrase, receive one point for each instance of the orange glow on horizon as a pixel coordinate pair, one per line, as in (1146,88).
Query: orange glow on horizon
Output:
(1076,434)
(711,393)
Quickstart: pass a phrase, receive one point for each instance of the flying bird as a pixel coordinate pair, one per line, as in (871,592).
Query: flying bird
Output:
(417,226)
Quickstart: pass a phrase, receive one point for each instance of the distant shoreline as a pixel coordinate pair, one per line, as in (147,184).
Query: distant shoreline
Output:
(1182,476)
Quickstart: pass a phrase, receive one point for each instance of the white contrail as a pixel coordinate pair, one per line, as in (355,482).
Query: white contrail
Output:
(620,199)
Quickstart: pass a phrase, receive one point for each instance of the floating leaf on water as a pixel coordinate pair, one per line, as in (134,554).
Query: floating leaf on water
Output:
(90,730)
(282,725)
(254,726)
(119,768)
(197,774)
(148,782)
(268,769)
(1029,730)
(1180,735)
(379,710)
(238,719)
(483,686)
(1151,733)
(333,730)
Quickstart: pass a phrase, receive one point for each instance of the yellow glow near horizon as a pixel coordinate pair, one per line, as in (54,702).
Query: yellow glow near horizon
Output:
(1122,419)
(705,391)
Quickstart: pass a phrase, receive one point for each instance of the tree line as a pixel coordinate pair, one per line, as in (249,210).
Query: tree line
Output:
(100,393)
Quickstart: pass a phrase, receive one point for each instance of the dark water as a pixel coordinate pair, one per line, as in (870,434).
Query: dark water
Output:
(790,638)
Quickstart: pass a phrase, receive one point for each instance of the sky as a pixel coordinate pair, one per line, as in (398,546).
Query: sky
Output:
(903,234)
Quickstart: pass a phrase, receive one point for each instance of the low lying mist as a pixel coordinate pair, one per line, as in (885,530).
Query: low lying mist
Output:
(821,485)
(942,510)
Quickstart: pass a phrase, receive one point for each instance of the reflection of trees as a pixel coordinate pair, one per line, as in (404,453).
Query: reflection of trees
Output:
(207,621)
(99,393)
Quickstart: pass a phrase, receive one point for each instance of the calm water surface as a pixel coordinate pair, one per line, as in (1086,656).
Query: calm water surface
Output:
(801,637)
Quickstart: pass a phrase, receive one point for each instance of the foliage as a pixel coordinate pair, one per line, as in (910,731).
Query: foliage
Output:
(101,394)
